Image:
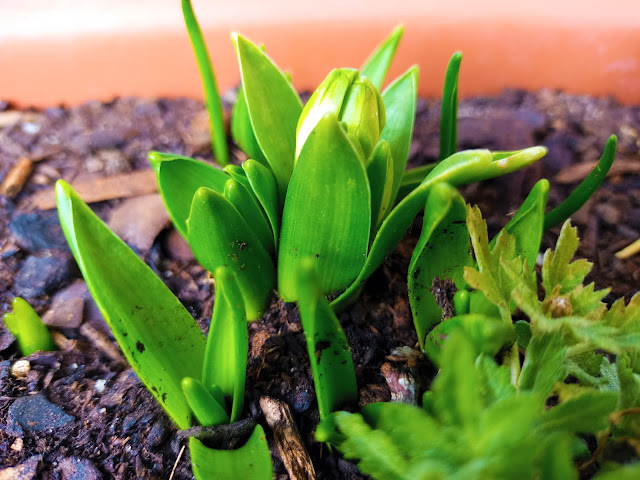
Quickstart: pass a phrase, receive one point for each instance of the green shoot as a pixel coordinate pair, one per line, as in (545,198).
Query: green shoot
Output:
(587,187)
(211,94)
(449,109)
(25,324)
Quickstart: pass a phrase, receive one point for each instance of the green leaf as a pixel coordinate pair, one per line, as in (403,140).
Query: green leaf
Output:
(587,187)
(628,425)
(334,377)
(274,108)
(441,253)
(457,393)
(242,130)
(178,180)
(587,413)
(556,460)
(327,213)
(400,107)
(220,237)
(557,268)
(508,162)
(204,406)
(523,333)
(624,472)
(527,224)
(487,334)
(379,455)
(26,325)
(264,187)
(376,66)
(543,363)
(380,175)
(496,379)
(158,336)
(454,170)
(211,94)
(225,359)
(449,109)
(247,205)
(413,177)
(252,461)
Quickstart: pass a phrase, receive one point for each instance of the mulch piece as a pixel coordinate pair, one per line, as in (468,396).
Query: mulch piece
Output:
(116,429)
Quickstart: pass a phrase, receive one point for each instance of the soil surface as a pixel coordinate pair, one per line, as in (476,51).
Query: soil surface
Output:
(81,413)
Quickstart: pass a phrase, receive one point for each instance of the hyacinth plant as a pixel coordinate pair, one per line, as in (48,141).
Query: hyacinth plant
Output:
(320,202)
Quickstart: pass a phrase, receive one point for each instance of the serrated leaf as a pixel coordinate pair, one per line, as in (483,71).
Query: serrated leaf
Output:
(457,394)
(242,130)
(487,334)
(252,461)
(496,379)
(543,363)
(327,213)
(588,413)
(158,336)
(225,360)
(523,333)
(377,453)
(265,189)
(449,109)
(329,353)
(442,252)
(274,108)
(400,106)
(26,325)
(376,66)
(178,180)
(220,237)
(557,268)
(628,425)
(556,460)
(380,175)
(247,205)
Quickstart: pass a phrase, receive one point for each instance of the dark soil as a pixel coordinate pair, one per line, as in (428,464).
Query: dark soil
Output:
(102,423)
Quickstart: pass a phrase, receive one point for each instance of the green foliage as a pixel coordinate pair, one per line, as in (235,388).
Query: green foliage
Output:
(477,424)
(25,324)
(331,364)
(188,376)
(211,94)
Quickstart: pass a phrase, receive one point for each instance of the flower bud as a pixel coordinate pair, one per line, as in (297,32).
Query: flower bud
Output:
(357,104)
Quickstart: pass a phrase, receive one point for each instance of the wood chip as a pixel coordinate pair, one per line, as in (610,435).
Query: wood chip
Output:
(285,433)
(16,177)
(576,173)
(102,342)
(139,220)
(125,185)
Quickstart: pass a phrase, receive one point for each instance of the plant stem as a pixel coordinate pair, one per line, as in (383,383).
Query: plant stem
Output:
(211,94)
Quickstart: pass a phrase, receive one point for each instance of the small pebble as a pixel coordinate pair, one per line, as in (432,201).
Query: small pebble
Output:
(20,368)
(35,414)
(27,470)
(76,468)
(17,445)
(43,275)
(99,385)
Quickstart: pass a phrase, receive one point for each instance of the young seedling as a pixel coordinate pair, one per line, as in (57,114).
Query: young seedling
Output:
(25,324)
(321,182)
(189,376)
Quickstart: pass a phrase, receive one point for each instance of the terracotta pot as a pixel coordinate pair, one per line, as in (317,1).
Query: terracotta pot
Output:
(58,51)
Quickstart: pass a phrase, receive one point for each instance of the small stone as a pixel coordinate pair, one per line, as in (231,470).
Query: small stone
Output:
(17,445)
(76,468)
(177,248)
(43,275)
(38,231)
(139,220)
(67,306)
(99,385)
(27,470)
(20,369)
(34,414)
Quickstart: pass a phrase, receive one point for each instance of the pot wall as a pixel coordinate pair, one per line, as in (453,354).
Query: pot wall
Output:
(71,51)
